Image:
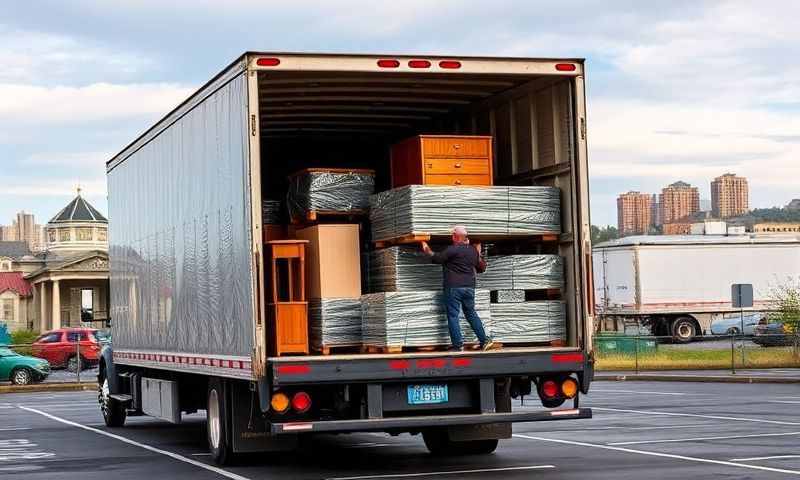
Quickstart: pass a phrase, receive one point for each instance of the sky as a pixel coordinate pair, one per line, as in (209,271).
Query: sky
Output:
(677,90)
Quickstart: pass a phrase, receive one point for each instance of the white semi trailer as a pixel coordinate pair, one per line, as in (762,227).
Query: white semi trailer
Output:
(677,285)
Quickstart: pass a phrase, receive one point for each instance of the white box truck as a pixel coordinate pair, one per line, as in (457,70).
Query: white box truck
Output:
(677,285)
(188,304)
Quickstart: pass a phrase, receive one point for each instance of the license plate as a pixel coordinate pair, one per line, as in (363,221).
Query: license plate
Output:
(427,394)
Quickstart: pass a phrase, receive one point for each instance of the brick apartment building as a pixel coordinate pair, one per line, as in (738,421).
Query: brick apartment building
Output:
(729,196)
(634,213)
(677,201)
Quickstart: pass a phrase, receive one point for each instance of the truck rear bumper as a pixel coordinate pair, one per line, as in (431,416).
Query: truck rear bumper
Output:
(420,422)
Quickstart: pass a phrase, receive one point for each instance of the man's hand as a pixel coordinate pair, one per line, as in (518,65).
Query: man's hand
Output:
(425,247)
(477,246)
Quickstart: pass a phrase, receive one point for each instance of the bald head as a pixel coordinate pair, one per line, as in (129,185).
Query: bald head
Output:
(460,234)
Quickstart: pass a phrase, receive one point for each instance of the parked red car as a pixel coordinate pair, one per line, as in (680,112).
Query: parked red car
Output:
(59,347)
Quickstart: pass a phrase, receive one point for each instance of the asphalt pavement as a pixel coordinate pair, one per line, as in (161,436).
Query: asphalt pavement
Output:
(640,430)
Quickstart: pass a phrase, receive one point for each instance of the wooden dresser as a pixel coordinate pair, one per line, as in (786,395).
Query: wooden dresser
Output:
(442,160)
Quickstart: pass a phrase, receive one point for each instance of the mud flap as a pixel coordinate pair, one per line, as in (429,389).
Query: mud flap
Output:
(250,431)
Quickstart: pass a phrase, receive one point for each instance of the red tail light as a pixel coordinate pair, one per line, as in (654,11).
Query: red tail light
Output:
(419,64)
(388,63)
(268,62)
(550,389)
(449,64)
(565,67)
(301,402)
(293,369)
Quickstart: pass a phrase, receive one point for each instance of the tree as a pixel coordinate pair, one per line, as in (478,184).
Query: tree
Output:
(603,234)
(786,310)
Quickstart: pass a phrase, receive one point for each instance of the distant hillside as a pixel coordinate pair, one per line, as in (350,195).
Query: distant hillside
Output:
(775,214)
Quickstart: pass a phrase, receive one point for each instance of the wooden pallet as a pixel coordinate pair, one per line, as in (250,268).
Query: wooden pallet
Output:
(402,349)
(318,216)
(405,239)
(552,343)
(337,349)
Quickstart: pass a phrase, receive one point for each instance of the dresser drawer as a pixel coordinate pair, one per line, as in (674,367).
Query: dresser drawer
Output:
(458,180)
(456,146)
(457,166)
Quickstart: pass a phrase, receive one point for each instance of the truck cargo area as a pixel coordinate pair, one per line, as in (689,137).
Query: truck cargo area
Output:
(323,119)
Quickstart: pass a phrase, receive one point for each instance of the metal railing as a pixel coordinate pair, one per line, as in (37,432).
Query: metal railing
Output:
(638,352)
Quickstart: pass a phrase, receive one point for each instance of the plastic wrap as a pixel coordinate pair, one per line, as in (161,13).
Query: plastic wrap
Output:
(335,322)
(179,232)
(329,191)
(528,322)
(522,272)
(483,210)
(414,319)
(271,213)
(403,268)
(509,296)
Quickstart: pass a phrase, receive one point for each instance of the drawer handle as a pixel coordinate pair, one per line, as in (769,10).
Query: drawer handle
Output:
(457,182)
(458,165)
(456,146)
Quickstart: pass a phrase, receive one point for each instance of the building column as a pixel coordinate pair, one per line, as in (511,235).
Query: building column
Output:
(56,305)
(42,307)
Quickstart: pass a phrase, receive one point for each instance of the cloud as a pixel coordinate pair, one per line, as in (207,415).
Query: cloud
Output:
(54,187)
(88,160)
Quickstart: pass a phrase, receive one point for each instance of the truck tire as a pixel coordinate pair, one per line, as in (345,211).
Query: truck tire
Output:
(216,424)
(683,330)
(438,443)
(114,413)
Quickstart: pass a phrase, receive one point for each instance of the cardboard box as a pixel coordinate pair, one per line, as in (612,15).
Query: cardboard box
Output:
(333,260)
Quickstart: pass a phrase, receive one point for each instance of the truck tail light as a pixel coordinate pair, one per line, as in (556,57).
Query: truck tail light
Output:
(550,389)
(419,64)
(268,62)
(569,387)
(279,402)
(450,64)
(388,63)
(301,402)
(565,67)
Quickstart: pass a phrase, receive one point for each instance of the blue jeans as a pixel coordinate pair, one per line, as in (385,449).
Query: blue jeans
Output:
(456,299)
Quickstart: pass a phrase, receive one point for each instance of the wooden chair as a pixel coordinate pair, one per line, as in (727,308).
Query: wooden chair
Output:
(288,308)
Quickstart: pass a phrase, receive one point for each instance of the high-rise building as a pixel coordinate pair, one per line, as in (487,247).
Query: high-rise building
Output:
(729,196)
(24,228)
(677,201)
(634,212)
(655,214)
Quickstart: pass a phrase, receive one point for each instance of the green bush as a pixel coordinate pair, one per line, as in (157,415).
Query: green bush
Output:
(23,337)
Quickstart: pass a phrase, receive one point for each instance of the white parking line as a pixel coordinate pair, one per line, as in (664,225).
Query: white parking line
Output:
(700,439)
(167,453)
(451,472)
(10,429)
(662,427)
(784,401)
(774,457)
(695,415)
(644,392)
(659,454)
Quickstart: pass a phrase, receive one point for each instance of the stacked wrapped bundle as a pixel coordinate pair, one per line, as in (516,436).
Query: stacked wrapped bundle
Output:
(334,322)
(329,190)
(484,210)
(522,272)
(508,296)
(528,322)
(413,319)
(271,212)
(401,269)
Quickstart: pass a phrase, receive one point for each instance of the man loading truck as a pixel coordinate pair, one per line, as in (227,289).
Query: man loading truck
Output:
(460,262)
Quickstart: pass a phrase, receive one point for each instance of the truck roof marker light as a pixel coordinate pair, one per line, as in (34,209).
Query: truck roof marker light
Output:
(293,369)
(549,389)
(388,63)
(419,64)
(565,67)
(451,64)
(301,402)
(268,62)
(569,387)
(399,364)
(573,357)
(279,403)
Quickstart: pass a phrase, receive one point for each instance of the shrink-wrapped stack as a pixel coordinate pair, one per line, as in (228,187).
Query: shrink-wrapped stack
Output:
(335,322)
(400,319)
(508,296)
(331,190)
(522,272)
(503,210)
(527,322)
(403,268)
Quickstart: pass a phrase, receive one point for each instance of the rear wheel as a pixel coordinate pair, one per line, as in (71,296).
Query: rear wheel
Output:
(216,412)
(73,363)
(683,330)
(438,443)
(21,376)
(114,413)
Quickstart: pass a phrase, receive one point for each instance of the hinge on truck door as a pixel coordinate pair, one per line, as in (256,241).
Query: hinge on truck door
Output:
(253,125)
(583,128)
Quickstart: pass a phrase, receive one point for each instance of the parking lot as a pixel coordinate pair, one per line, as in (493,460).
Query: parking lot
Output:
(640,430)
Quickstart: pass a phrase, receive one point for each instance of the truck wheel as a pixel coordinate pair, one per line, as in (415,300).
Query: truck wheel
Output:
(114,413)
(216,413)
(438,443)
(683,330)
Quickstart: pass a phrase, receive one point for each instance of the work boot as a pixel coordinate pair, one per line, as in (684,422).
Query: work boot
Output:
(490,345)
(456,349)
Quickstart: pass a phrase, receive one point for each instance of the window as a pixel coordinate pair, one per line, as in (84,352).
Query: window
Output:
(7,309)
(5,265)
(83,233)
(54,337)
(73,337)
(87,305)
(63,234)
(51,235)
(102,234)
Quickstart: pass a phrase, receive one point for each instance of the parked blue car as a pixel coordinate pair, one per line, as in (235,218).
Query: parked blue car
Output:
(731,323)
